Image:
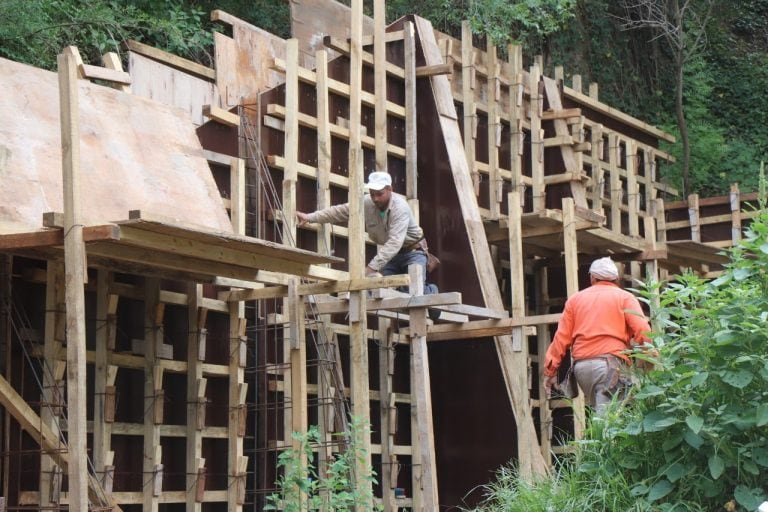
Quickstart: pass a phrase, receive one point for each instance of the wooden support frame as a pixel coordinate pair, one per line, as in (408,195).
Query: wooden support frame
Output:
(76,277)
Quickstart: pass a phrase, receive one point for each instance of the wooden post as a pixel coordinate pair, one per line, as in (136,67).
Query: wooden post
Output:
(543,339)
(594,91)
(102,429)
(380,84)
(237,324)
(468,100)
(615,182)
(323,149)
(537,139)
(633,201)
(299,413)
(570,252)
(411,171)
(52,394)
(495,184)
(75,277)
(598,184)
(386,370)
(422,393)
(516,269)
(735,202)
(693,216)
(195,325)
(290,176)
(358,338)
(152,330)
(516,115)
(576,83)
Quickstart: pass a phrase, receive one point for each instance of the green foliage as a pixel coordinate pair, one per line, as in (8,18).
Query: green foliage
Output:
(693,435)
(301,488)
(502,21)
(35,31)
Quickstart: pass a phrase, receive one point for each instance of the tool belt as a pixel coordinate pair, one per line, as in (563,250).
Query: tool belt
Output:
(418,245)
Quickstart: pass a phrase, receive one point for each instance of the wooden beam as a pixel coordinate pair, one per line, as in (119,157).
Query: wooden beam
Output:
(342,306)
(411,135)
(151,431)
(220,115)
(570,252)
(425,436)
(171,60)
(366,283)
(380,84)
(357,264)
(537,138)
(196,325)
(437,69)
(106,74)
(75,277)
(512,365)
(49,441)
(111,60)
(468,100)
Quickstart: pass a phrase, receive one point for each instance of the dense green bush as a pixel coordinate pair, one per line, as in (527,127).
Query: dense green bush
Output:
(694,435)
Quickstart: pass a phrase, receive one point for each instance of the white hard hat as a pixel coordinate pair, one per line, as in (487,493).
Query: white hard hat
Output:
(378,180)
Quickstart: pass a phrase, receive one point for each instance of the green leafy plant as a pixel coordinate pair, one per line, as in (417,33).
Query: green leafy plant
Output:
(694,434)
(301,487)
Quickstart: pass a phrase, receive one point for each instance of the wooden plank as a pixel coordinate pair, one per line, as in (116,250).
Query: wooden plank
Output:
(495,183)
(468,101)
(75,277)
(735,203)
(543,338)
(411,135)
(342,306)
(512,365)
(380,84)
(196,326)
(616,191)
(111,60)
(693,217)
(48,440)
(357,264)
(537,138)
(153,328)
(598,185)
(387,410)
(323,149)
(366,283)
(577,96)
(236,399)
(102,427)
(571,159)
(425,437)
(570,252)
(106,74)
(516,269)
(53,392)
(516,117)
(220,115)
(171,60)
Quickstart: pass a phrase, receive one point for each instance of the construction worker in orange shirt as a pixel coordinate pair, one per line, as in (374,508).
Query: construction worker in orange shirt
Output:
(599,324)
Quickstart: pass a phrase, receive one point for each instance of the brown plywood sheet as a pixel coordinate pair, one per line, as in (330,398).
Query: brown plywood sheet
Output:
(243,62)
(136,154)
(156,81)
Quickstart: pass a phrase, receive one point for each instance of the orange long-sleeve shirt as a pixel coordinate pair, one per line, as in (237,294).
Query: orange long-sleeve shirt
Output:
(599,320)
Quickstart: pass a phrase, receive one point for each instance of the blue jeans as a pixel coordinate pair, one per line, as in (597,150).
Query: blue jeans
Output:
(399,265)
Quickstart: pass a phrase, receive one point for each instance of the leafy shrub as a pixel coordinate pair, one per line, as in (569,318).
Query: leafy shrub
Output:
(300,487)
(694,435)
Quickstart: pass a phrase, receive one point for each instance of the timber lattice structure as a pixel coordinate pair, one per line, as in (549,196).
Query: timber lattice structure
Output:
(212,327)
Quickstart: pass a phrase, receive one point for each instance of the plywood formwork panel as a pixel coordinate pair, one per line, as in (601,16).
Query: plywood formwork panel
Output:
(123,165)
(162,83)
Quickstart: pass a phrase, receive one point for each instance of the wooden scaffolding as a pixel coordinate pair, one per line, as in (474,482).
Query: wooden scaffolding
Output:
(211,327)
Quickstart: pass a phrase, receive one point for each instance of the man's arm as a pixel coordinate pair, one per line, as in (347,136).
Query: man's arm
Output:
(560,344)
(397,231)
(338,214)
